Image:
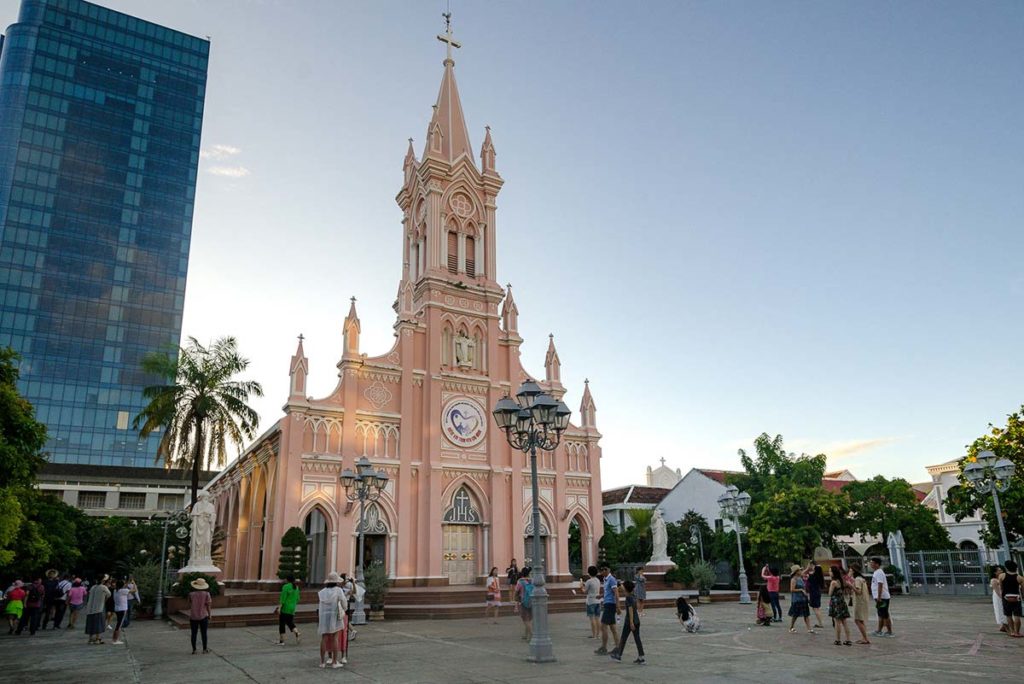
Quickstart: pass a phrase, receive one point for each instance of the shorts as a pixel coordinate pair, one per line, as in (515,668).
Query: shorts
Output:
(75,607)
(525,614)
(608,614)
(882,607)
(1012,608)
(593,609)
(494,600)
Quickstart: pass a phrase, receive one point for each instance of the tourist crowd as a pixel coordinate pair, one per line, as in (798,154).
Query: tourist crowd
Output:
(44,603)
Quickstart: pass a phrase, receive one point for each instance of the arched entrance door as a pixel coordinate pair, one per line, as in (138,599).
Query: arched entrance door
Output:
(528,559)
(375,537)
(575,547)
(316,546)
(461,520)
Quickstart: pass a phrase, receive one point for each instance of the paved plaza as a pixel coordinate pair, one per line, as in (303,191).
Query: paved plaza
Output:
(939,640)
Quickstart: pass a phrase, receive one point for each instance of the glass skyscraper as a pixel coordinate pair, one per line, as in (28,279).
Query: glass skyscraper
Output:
(100,121)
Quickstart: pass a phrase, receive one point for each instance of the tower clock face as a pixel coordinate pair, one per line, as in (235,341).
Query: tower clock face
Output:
(463,422)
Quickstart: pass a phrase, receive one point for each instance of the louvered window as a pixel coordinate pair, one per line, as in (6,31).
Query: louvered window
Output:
(453,252)
(471,257)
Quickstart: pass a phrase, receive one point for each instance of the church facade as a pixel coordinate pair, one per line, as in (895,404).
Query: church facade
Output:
(458,499)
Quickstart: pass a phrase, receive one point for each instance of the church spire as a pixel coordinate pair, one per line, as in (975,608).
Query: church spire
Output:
(588,410)
(299,371)
(447,136)
(351,329)
(552,364)
(487,154)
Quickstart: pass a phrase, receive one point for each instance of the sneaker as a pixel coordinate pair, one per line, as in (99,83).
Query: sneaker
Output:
(877,632)
(280,643)
(887,635)
(297,634)
(601,651)
(328,660)
(640,661)
(335,666)
(344,660)
(616,657)
(116,643)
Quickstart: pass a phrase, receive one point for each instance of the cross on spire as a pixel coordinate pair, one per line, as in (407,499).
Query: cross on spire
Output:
(662,462)
(446,37)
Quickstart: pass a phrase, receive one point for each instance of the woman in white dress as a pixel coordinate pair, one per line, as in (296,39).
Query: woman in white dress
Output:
(997,599)
(331,611)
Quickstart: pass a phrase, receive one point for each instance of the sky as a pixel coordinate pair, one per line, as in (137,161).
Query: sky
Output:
(736,217)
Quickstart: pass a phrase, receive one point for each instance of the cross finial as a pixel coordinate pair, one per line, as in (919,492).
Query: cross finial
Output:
(446,37)
(663,462)
(301,337)
(353,300)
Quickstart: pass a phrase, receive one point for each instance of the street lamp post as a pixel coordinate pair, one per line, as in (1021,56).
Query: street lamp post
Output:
(180,518)
(535,420)
(844,547)
(991,475)
(697,538)
(734,504)
(365,484)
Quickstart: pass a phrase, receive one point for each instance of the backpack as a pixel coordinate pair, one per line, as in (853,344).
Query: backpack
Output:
(527,594)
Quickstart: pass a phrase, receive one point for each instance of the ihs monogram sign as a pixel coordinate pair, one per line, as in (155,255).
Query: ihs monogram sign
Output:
(463,422)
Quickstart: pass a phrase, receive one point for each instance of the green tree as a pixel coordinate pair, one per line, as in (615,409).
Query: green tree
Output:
(22,438)
(879,506)
(772,470)
(200,407)
(963,501)
(641,518)
(292,562)
(50,535)
(791,522)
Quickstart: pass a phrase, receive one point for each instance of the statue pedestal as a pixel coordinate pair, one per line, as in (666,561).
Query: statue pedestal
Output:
(206,569)
(655,571)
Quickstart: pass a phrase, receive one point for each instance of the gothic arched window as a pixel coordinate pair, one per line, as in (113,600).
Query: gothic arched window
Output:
(461,512)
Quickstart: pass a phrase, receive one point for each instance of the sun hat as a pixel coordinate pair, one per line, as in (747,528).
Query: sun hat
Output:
(18,583)
(793,569)
(51,573)
(334,577)
(200,584)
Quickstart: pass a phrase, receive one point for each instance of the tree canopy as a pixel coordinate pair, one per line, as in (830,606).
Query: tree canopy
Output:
(963,501)
(879,506)
(201,406)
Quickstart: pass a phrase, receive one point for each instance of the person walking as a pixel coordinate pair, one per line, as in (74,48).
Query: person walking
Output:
(1010,584)
(815,579)
(609,610)
(592,590)
(60,602)
(49,596)
(640,590)
(771,578)
(524,602)
(121,593)
(631,625)
(331,607)
(95,611)
(880,593)
(76,600)
(512,574)
(286,606)
(133,598)
(995,586)
(861,592)
(798,603)
(34,600)
(493,586)
(15,605)
(837,608)
(199,614)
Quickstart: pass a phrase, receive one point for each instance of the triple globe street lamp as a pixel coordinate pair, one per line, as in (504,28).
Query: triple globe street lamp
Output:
(990,474)
(535,420)
(362,485)
(734,504)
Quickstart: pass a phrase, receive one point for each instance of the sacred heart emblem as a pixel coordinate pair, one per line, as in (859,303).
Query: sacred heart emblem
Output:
(465,424)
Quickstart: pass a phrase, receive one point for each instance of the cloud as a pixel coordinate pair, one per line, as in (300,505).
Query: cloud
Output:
(229,171)
(219,152)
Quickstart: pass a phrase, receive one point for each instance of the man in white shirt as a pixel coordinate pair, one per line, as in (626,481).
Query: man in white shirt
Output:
(880,592)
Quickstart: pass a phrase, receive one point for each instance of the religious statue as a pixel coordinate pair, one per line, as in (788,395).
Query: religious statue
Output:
(465,351)
(659,538)
(204,516)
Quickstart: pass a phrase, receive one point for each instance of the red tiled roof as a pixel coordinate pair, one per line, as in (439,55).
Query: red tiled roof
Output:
(834,486)
(634,494)
(718,475)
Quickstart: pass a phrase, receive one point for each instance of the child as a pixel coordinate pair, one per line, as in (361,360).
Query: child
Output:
(687,615)
(764,601)
(630,625)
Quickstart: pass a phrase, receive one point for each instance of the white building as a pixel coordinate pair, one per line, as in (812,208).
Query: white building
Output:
(966,534)
(617,503)
(663,476)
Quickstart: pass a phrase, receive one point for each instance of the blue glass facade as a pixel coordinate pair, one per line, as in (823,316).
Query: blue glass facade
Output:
(100,122)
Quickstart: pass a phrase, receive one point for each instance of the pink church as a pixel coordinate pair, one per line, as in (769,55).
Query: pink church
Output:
(458,500)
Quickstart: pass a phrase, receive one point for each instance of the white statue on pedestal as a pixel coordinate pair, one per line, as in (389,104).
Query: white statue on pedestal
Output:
(659,538)
(465,351)
(204,517)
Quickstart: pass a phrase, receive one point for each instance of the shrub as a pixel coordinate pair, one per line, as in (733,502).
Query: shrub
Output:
(376,581)
(292,561)
(184,584)
(703,575)
(147,578)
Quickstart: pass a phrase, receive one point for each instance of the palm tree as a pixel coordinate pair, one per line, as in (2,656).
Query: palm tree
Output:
(642,518)
(200,407)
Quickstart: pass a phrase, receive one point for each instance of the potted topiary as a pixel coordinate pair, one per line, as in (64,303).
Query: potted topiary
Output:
(703,576)
(375,580)
(292,561)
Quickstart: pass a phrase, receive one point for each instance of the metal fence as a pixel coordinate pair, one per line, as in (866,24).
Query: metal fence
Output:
(954,573)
